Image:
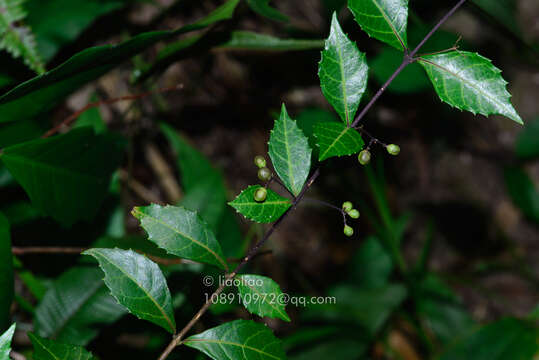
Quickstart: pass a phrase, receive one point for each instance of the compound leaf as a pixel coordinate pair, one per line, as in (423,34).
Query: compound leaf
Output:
(385,20)
(70,312)
(263,212)
(469,81)
(181,232)
(343,73)
(239,340)
(337,139)
(45,349)
(262,296)
(138,284)
(73,169)
(290,152)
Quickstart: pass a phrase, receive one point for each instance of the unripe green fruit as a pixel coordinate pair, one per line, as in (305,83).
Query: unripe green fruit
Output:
(393,149)
(264,174)
(347,206)
(260,161)
(354,214)
(260,194)
(364,157)
(348,231)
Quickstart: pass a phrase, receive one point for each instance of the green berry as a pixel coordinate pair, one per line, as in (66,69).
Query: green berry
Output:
(354,214)
(264,174)
(348,231)
(260,161)
(364,157)
(260,194)
(393,149)
(347,206)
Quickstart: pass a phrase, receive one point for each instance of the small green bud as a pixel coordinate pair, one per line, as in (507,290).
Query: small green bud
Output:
(347,206)
(348,231)
(364,157)
(354,214)
(260,194)
(260,161)
(393,149)
(264,174)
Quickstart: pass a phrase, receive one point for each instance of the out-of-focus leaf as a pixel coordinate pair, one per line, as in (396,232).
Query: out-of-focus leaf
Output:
(15,37)
(262,296)
(20,212)
(504,11)
(181,232)
(523,192)
(289,152)
(73,171)
(36,286)
(230,235)
(440,310)
(5,342)
(58,22)
(263,212)
(45,349)
(527,144)
(334,349)
(262,7)
(248,40)
(74,305)
(502,340)
(337,139)
(385,20)
(6,273)
(239,339)
(203,184)
(14,133)
(138,284)
(137,243)
(469,81)
(372,265)
(343,73)
(368,308)
(42,93)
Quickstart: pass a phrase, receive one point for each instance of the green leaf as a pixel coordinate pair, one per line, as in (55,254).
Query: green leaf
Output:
(73,171)
(17,39)
(527,143)
(523,192)
(70,312)
(469,81)
(263,212)
(385,20)
(5,342)
(504,339)
(58,22)
(238,340)
(247,40)
(337,139)
(262,296)
(503,11)
(371,267)
(138,284)
(306,121)
(203,184)
(21,131)
(91,117)
(343,73)
(6,273)
(262,7)
(45,349)
(342,349)
(290,153)
(42,93)
(181,232)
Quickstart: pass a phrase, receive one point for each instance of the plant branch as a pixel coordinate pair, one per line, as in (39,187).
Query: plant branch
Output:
(251,254)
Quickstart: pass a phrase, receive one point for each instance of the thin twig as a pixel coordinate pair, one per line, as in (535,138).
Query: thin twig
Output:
(71,118)
(46,250)
(164,173)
